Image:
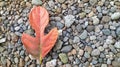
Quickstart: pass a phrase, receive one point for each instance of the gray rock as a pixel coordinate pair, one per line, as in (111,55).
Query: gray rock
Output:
(17,28)
(95,20)
(101,48)
(86,55)
(79,27)
(90,28)
(69,20)
(113,9)
(65,39)
(51,4)
(63,57)
(22,52)
(77,61)
(59,25)
(118,31)
(115,16)
(112,48)
(92,2)
(66,49)
(76,39)
(98,8)
(117,44)
(36,2)
(2,40)
(83,35)
(20,21)
(58,45)
(95,52)
(106,31)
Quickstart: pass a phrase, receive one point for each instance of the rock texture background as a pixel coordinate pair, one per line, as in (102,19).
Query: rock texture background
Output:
(90,36)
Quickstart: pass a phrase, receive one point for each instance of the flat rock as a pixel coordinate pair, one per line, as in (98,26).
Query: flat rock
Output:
(95,52)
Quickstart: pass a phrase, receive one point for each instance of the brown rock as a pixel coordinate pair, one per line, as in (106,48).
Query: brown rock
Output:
(21,63)
(106,19)
(8,63)
(28,4)
(116,64)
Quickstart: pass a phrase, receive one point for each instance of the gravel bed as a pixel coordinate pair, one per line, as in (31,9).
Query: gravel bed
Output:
(90,34)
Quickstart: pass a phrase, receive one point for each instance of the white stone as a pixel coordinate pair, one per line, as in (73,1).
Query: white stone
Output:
(51,63)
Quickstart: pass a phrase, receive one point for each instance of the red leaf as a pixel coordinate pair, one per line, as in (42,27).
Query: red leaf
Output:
(40,45)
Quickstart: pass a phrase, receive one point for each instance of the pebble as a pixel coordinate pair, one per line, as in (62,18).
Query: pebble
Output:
(104,65)
(2,40)
(95,52)
(17,28)
(82,15)
(36,2)
(116,64)
(21,63)
(108,61)
(59,45)
(66,49)
(59,25)
(51,63)
(83,35)
(16,60)
(76,39)
(69,20)
(81,52)
(118,31)
(3,60)
(106,31)
(2,3)
(95,20)
(106,19)
(63,57)
(98,9)
(101,48)
(8,63)
(86,55)
(61,1)
(79,28)
(90,28)
(92,2)
(117,44)
(2,49)
(115,16)
(92,37)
